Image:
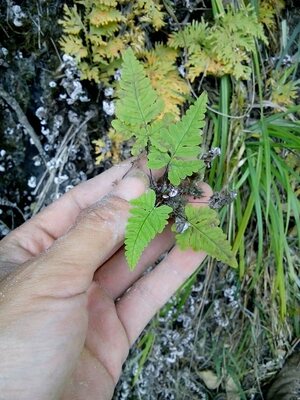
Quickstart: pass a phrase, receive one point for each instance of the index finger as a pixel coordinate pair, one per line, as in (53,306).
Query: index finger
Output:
(39,233)
(68,267)
(60,215)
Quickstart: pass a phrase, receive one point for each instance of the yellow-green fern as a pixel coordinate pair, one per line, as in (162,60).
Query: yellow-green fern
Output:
(96,32)
(268,9)
(160,67)
(283,87)
(223,48)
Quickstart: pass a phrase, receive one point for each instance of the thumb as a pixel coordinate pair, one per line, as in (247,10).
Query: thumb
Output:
(68,267)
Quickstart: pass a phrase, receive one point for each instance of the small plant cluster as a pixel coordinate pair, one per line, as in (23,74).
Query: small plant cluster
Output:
(97,32)
(174,146)
(268,10)
(283,88)
(222,48)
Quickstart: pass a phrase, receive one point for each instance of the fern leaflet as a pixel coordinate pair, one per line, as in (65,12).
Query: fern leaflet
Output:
(204,234)
(74,44)
(138,103)
(145,223)
(103,16)
(72,22)
(193,36)
(178,146)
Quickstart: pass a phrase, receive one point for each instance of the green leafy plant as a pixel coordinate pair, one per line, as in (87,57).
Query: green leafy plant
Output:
(268,10)
(174,146)
(284,87)
(147,220)
(223,48)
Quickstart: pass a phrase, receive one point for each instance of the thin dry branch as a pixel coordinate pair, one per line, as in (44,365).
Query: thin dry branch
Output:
(13,104)
(59,162)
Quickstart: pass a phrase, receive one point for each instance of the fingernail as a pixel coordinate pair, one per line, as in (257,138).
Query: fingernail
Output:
(132,186)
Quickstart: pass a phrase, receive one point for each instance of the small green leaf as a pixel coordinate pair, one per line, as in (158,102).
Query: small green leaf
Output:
(145,222)
(138,104)
(204,234)
(177,147)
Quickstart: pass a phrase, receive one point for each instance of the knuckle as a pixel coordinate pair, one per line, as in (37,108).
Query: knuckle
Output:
(104,213)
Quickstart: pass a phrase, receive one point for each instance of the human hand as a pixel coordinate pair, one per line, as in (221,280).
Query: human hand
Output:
(67,320)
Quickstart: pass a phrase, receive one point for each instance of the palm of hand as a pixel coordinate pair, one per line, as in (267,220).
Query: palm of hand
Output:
(77,344)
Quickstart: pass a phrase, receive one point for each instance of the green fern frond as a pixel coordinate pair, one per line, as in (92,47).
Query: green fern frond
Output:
(74,45)
(192,36)
(178,146)
(102,16)
(155,17)
(160,125)
(204,234)
(233,39)
(149,11)
(71,22)
(88,72)
(138,103)
(223,48)
(284,87)
(244,21)
(268,10)
(99,33)
(145,222)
